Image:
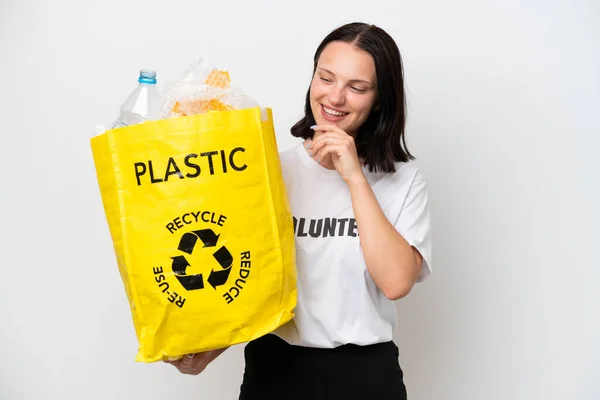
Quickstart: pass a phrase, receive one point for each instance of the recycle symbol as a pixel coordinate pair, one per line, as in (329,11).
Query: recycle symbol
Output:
(223,257)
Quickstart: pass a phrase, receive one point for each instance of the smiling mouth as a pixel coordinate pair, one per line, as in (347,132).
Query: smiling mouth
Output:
(332,112)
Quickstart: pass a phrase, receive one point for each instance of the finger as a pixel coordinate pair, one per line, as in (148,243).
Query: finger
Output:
(335,150)
(333,135)
(324,127)
(195,368)
(200,365)
(329,128)
(331,132)
(183,370)
(330,135)
(186,361)
(177,364)
(173,361)
(187,369)
(328,141)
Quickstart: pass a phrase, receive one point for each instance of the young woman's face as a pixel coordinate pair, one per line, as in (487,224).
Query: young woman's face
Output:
(344,88)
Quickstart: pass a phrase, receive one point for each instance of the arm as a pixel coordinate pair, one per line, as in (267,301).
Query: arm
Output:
(392,262)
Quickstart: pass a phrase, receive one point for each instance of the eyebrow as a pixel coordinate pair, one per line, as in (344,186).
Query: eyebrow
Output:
(351,80)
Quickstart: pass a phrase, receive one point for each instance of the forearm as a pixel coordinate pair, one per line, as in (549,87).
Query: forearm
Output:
(392,262)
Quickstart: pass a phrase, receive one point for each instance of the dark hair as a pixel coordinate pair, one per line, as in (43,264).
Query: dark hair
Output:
(380,140)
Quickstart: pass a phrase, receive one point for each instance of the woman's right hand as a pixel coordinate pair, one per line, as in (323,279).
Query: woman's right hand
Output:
(194,364)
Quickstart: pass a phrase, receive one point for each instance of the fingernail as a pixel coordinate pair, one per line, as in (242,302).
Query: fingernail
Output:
(313,127)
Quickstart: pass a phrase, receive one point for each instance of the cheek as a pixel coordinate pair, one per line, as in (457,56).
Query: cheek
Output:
(363,104)
(317,90)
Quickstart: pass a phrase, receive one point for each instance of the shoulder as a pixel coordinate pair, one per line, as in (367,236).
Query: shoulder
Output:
(290,153)
(290,156)
(409,170)
(407,174)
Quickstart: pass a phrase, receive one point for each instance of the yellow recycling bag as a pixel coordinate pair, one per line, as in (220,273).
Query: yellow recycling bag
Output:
(201,227)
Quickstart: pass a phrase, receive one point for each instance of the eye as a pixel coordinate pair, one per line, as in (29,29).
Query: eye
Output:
(327,80)
(358,89)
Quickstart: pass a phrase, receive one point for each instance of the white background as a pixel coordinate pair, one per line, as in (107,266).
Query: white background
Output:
(503,117)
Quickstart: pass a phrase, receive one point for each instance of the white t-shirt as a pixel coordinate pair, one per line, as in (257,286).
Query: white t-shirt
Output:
(338,302)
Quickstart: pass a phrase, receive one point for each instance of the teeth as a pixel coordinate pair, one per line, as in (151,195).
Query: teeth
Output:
(333,112)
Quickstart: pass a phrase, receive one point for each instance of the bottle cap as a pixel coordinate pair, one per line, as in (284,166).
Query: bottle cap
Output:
(147,76)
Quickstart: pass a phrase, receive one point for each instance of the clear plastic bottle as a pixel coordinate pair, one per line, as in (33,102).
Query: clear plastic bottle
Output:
(143,104)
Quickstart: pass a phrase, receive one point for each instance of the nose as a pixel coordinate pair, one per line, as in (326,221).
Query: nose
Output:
(337,96)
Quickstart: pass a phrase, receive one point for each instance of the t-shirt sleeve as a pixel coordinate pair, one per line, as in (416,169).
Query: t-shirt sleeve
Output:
(414,223)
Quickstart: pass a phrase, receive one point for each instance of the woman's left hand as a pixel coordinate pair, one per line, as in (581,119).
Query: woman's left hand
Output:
(335,142)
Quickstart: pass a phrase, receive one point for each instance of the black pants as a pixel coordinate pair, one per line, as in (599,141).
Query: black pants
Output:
(277,371)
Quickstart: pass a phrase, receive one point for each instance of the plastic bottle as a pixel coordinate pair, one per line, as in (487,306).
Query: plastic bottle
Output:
(143,104)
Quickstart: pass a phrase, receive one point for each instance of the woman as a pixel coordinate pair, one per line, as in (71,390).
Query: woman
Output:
(362,231)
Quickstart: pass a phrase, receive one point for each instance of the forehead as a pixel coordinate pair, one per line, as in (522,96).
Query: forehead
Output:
(346,61)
